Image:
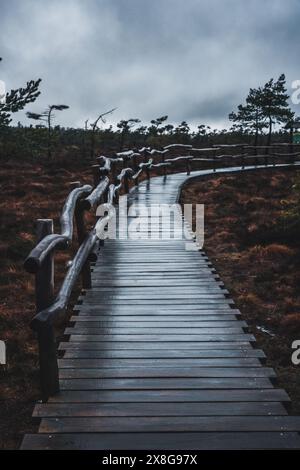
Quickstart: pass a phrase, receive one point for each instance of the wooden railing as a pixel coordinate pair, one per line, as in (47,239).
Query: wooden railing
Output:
(112,176)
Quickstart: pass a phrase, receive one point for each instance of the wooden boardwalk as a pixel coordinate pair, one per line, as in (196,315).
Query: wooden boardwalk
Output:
(159,358)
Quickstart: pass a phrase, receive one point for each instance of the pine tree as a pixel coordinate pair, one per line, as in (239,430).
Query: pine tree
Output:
(274,104)
(16,100)
(265,107)
(250,117)
(156,124)
(95,127)
(182,132)
(48,116)
(125,127)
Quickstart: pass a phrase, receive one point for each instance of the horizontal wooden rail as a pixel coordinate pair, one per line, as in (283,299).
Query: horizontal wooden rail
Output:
(43,321)
(174,146)
(94,198)
(48,315)
(158,152)
(160,165)
(36,257)
(297,154)
(107,163)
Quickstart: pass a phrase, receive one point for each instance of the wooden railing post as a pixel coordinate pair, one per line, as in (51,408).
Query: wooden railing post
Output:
(81,234)
(44,279)
(48,362)
(126,184)
(148,173)
(134,163)
(113,171)
(256,159)
(96,174)
(266,159)
(188,166)
(44,287)
(243,156)
(163,161)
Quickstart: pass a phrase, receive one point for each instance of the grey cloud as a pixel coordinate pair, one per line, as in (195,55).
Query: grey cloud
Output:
(193,60)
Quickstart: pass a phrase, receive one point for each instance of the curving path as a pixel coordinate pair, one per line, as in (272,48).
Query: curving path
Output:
(158,357)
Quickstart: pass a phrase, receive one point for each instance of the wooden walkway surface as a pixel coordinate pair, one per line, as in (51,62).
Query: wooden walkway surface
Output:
(159,358)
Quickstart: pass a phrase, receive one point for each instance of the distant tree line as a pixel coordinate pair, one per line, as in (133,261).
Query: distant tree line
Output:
(265,108)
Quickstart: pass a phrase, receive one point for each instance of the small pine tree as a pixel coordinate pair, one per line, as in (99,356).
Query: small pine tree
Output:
(274,103)
(48,116)
(156,124)
(95,127)
(125,127)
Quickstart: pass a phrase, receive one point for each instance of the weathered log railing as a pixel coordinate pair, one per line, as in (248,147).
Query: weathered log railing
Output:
(111,177)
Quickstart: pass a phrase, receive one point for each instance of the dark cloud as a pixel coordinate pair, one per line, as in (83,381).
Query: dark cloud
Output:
(194,60)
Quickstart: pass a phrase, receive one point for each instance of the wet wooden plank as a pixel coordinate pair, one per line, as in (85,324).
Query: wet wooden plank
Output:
(175,396)
(171,424)
(164,338)
(212,300)
(137,292)
(162,271)
(130,282)
(164,372)
(149,299)
(156,345)
(164,264)
(159,325)
(143,362)
(165,310)
(136,330)
(205,320)
(169,289)
(168,276)
(164,441)
(158,409)
(165,353)
(175,383)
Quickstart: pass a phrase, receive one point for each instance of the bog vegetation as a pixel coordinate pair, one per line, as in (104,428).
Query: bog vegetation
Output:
(264,116)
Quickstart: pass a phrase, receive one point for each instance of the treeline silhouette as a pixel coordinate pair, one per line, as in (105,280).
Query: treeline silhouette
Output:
(68,143)
(252,123)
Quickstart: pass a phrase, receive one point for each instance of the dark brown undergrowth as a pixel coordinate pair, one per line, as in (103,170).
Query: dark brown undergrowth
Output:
(252,236)
(28,191)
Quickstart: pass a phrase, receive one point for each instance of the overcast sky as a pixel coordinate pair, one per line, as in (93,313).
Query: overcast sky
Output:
(194,60)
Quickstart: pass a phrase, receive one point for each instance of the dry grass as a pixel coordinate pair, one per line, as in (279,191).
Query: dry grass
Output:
(25,191)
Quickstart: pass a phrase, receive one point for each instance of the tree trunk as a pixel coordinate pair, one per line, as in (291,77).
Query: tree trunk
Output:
(270,131)
(291,139)
(256,137)
(49,136)
(93,144)
(256,130)
(122,136)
